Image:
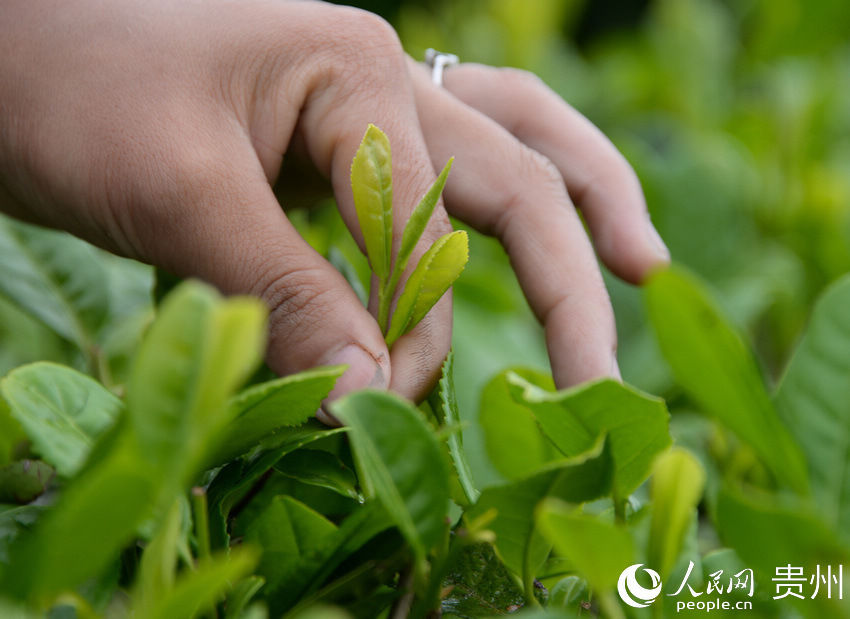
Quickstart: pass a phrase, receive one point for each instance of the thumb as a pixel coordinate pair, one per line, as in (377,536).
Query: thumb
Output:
(227,227)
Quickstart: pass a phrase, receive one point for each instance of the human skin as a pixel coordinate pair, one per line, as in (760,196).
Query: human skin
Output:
(156,129)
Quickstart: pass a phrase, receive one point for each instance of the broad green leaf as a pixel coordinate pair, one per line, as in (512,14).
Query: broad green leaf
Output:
(192,358)
(235,480)
(714,366)
(416,225)
(289,533)
(677,484)
(158,566)
(814,400)
(577,480)
(263,409)
(61,410)
(23,481)
(320,468)
(599,550)
(203,587)
(372,186)
(513,439)
(55,277)
(444,404)
(436,271)
(393,448)
(306,548)
(196,353)
(574,419)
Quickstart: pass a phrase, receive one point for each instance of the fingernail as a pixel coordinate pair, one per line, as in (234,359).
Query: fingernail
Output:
(658,242)
(363,371)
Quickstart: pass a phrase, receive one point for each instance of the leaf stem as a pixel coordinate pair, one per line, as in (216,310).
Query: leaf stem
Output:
(202,524)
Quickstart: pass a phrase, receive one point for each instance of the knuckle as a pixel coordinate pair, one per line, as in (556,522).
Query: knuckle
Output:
(531,168)
(519,81)
(298,301)
(367,48)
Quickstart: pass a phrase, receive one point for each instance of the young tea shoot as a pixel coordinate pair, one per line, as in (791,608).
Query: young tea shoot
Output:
(437,269)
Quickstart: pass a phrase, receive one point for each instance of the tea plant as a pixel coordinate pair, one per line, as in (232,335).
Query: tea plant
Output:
(154,473)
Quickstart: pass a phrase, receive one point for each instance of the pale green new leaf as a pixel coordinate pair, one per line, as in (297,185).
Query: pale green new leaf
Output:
(56,278)
(574,419)
(677,483)
(512,436)
(196,353)
(400,462)
(192,358)
(599,550)
(417,223)
(61,410)
(436,271)
(262,409)
(372,186)
(713,365)
(814,400)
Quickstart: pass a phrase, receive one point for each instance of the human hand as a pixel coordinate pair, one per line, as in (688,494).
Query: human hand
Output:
(156,130)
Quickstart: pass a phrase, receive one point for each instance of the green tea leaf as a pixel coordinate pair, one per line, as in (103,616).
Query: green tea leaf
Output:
(23,481)
(480,586)
(372,186)
(583,478)
(192,358)
(392,447)
(416,225)
(444,404)
(437,270)
(236,479)
(713,365)
(813,400)
(158,566)
(599,550)
(513,439)
(677,483)
(263,409)
(289,533)
(61,410)
(574,419)
(195,354)
(320,468)
(201,588)
(56,278)
(95,517)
